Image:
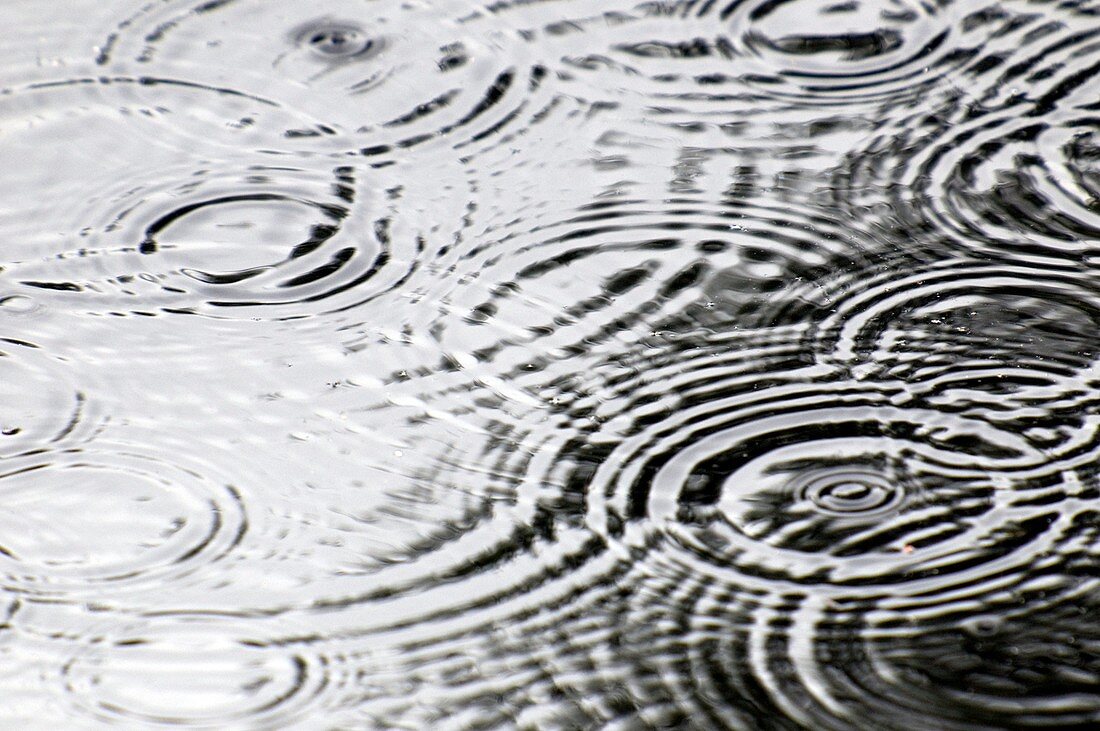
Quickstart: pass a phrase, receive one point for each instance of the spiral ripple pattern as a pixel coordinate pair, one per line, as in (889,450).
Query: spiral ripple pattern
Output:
(564,364)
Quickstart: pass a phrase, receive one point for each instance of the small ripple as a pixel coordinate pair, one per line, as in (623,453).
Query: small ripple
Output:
(199,235)
(336,40)
(849,491)
(382,76)
(75,524)
(43,406)
(208,672)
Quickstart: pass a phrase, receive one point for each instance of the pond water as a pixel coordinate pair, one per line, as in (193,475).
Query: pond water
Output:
(550,364)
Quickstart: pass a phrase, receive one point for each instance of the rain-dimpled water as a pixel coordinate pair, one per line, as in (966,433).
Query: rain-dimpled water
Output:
(550,364)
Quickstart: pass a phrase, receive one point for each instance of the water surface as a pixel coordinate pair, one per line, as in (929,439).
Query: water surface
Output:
(550,364)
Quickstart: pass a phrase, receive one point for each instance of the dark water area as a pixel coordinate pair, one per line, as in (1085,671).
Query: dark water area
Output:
(550,364)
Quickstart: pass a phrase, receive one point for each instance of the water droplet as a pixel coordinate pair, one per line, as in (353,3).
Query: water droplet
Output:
(850,492)
(335,39)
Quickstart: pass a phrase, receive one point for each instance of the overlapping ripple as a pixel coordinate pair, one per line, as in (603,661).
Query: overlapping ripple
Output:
(807,52)
(208,672)
(1006,165)
(1003,343)
(731,529)
(77,523)
(262,241)
(762,479)
(745,369)
(168,224)
(911,469)
(375,76)
(626,267)
(755,538)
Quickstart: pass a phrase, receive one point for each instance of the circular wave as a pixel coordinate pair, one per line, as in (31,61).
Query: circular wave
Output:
(733,511)
(1008,344)
(1007,166)
(76,524)
(823,54)
(633,270)
(108,143)
(208,672)
(159,228)
(382,76)
(262,242)
(965,314)
(848,492)
(42,405)
(805,486)
(881,50)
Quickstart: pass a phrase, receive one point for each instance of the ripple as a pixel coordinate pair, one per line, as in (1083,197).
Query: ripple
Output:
(966,312)
(207,673)
(381,76)
(217,237)
(732,510)
(1026,189)
(796,490)
(1004,343)
(629,267)
(788,478)
(742,255)
(42,404)
(109,143)
(843,52)
(753,377)
(333,39)
(781,86)
(76,525)
(867,53)
(849,492)
(1007,165)
(779,544)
